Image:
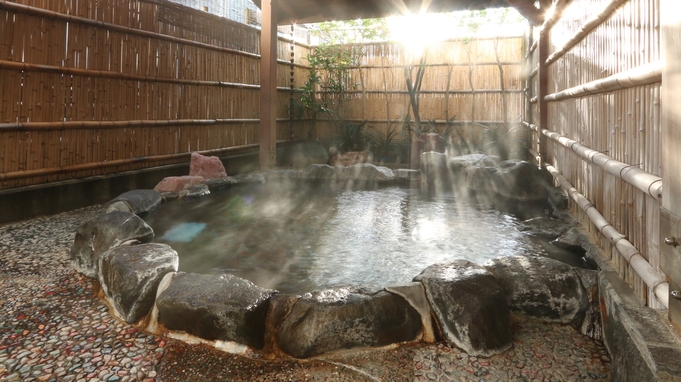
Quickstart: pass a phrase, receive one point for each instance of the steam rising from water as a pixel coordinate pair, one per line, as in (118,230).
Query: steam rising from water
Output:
(297,240)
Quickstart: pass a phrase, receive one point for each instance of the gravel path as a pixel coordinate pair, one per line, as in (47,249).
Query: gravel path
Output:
(53,328)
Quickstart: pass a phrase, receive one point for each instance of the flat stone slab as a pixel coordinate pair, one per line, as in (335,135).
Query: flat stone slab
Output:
(103,232)
(130,275)
(177,183)
(403,174)
(220,183)
(541,287)
(250,179)
(366,172)
(215,307)
(344,318)
(470,307)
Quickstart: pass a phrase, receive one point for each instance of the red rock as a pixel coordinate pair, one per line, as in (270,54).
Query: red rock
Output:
(177,183)
(206,167)
(348,159)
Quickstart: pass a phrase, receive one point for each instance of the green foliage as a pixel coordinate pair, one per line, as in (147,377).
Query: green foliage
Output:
(383,143)
(351,137)
(329,78)
(351,31)
(502,140)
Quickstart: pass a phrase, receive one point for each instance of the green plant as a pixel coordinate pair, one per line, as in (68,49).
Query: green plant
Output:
(382,143)
(351,137)
(502,140)
(325,91)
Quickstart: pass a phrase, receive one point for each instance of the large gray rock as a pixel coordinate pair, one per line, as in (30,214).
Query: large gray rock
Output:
(470,306)
(546,227)
(318,172)
(215,307)
(103,232)
(541,287)
(458,165)
(136,201)
(480,178)
(557,198)
(343,318)
(366,172)
(573,239)
(129,276)
(415,295)
(520,180)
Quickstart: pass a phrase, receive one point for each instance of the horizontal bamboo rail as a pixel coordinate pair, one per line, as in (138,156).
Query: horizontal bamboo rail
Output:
(586,28)
(655,280)
(643,75)
(74,125)
(455,39)
(644,181)
(533,47)
(21,66)
(20,8)
(466,64)
(481,91)
(438,121)
(534,71)
(122,162)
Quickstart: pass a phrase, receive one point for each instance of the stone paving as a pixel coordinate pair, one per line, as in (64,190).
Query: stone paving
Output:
(53,328)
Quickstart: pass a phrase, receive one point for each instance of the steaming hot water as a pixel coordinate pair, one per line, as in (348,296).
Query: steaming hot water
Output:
(297,240)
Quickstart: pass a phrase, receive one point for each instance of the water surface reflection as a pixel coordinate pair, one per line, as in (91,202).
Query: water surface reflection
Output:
(297,240)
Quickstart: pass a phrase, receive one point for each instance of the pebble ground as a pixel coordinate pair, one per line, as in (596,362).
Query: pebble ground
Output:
(53,328)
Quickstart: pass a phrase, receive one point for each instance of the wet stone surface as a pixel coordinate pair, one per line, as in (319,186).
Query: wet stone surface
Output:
(54,328)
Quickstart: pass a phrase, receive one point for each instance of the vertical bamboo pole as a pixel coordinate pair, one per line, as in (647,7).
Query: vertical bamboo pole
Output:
(543,87)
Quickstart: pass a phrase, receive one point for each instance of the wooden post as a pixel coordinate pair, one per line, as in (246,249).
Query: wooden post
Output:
(670,223)
(543,78)
(268,86)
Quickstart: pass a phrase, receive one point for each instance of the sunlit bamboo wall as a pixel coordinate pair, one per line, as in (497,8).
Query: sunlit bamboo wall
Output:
(623,124)
(126,84)
(458,72)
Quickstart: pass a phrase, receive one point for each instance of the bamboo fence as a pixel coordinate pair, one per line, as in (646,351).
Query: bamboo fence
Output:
(462,81)
(603,101)
(91,88)
(102,87)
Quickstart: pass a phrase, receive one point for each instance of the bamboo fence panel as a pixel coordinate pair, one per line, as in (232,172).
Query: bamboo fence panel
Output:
(624,124)
(378,93)
(172,64)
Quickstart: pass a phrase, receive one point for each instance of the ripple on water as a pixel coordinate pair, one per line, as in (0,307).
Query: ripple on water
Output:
(298,240)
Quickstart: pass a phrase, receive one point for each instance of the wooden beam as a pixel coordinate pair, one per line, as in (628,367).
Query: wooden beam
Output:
(528,10)
(268,86)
